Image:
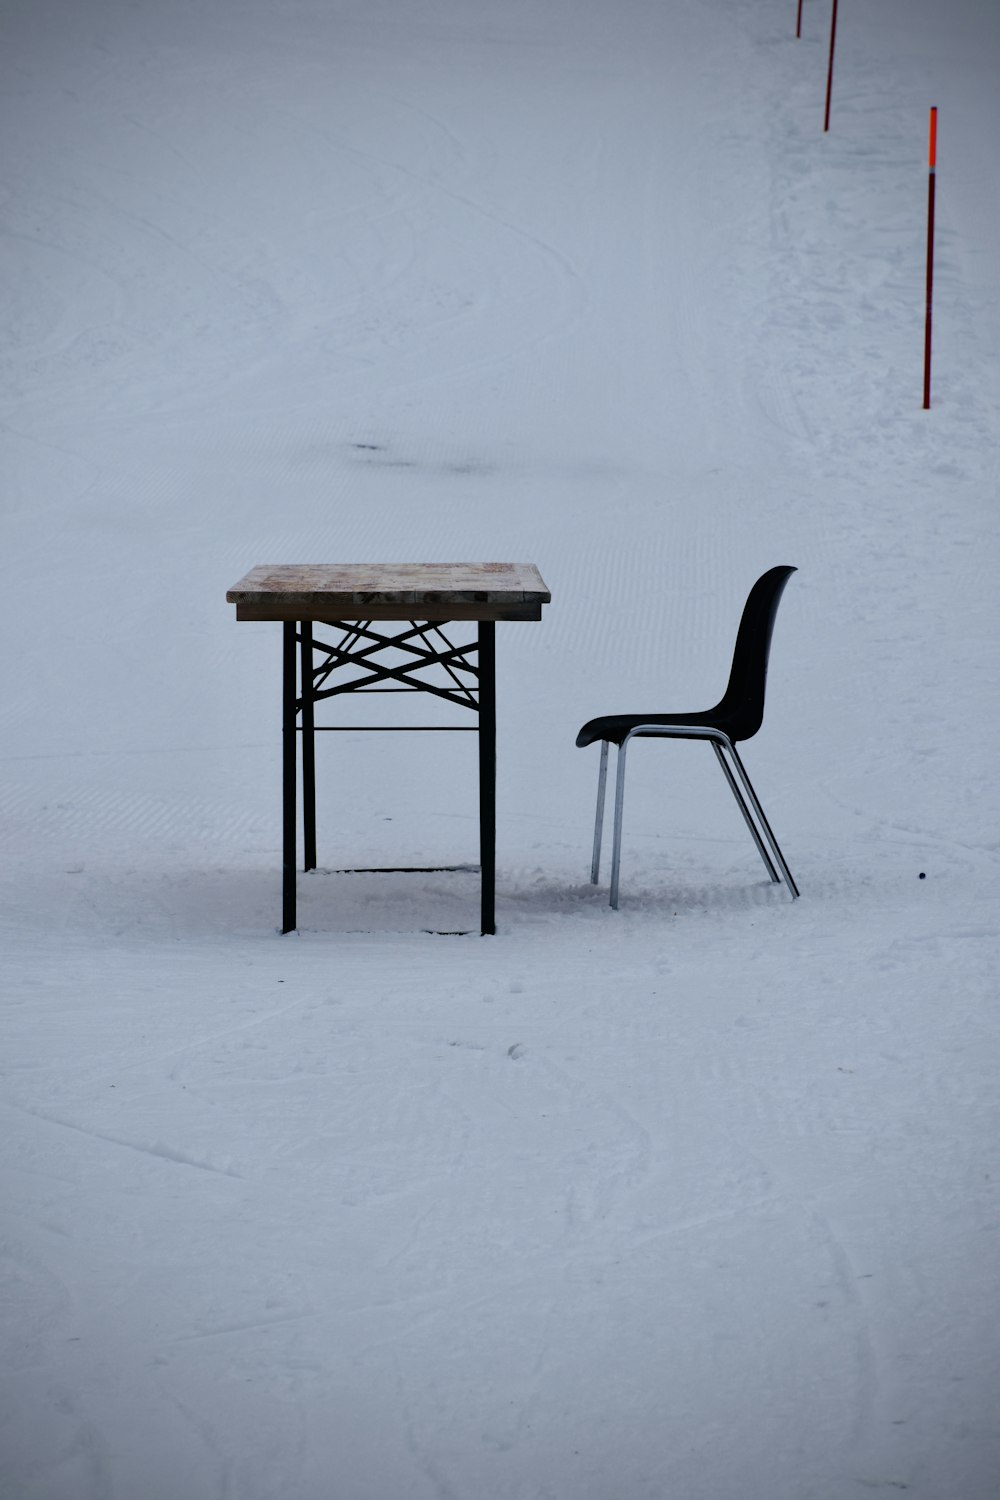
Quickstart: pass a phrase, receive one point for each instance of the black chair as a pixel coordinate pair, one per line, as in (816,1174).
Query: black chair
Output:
(737,716)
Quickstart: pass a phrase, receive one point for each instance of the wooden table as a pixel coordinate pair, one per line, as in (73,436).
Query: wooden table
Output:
(418,656)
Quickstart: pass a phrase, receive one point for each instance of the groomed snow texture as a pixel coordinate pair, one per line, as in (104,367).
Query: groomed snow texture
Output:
(696,1200)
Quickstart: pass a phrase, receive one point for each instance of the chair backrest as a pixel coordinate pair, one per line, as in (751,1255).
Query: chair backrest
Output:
(741,709)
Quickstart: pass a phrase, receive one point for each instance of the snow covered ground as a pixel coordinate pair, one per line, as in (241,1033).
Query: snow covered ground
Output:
(693,1201)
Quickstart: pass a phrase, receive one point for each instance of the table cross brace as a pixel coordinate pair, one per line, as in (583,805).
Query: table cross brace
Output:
(418,644)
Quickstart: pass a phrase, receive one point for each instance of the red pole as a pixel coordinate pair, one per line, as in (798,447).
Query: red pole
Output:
(829,71)
(798,21)
(931,178)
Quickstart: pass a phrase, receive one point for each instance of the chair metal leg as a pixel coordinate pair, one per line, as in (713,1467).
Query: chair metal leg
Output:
(602,781)
(763,832)
(741,803)
(765,825)
(616,852)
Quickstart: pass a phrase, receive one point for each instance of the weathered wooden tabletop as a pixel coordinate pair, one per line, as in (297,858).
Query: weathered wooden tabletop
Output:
(390,591)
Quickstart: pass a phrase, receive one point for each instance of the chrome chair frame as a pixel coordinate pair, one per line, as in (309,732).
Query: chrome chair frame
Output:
(761,831)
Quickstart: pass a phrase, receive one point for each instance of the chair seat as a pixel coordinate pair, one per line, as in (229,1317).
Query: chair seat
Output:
(614,727)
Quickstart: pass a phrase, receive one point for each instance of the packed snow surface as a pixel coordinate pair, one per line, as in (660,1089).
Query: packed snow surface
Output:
(696,1200)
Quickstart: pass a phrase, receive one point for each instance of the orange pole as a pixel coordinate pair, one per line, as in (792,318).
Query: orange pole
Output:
(933,150)
(931,183)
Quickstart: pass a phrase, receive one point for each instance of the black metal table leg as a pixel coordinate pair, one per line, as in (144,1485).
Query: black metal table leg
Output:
(288,757)
(308,748)
(487,772)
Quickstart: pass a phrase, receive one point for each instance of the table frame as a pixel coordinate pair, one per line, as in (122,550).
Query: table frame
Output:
(419,600)
(469,681)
